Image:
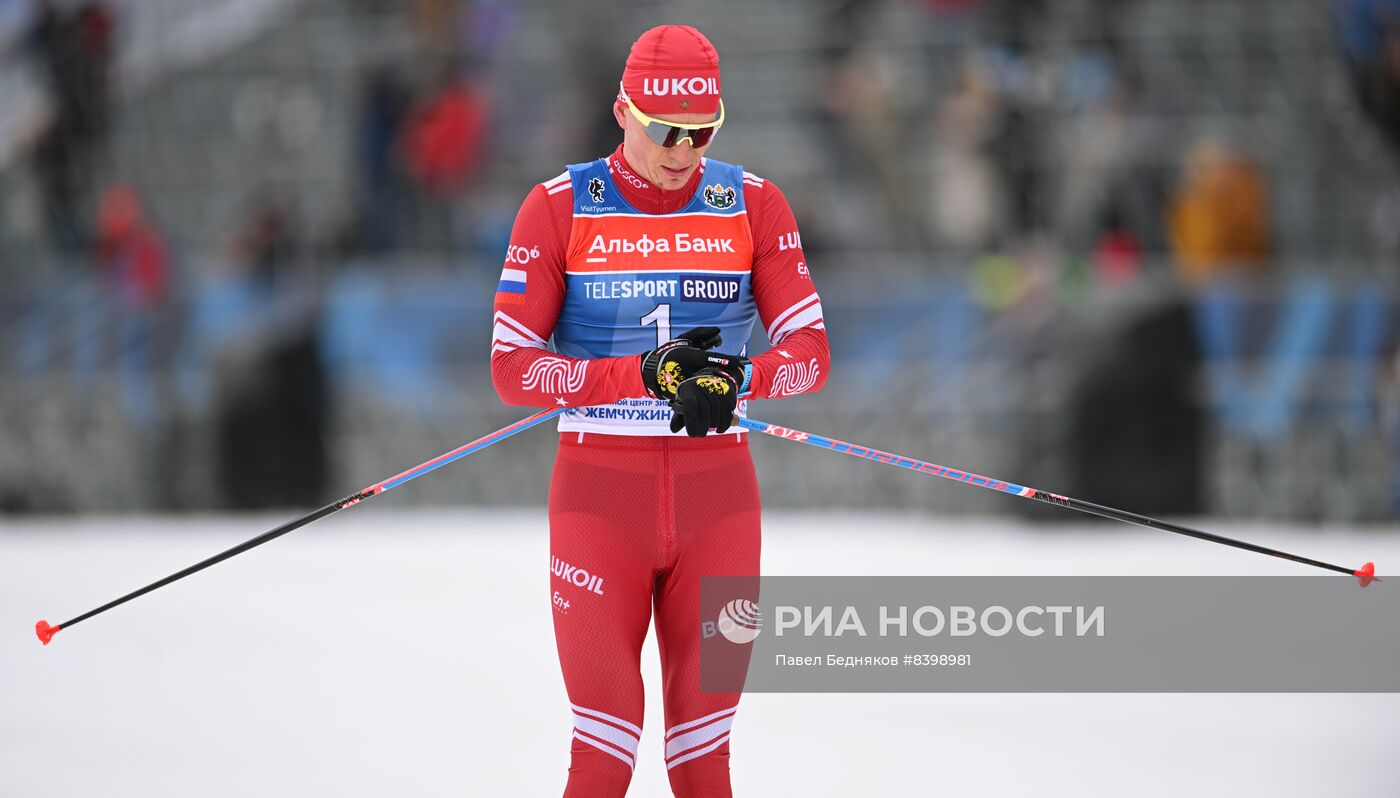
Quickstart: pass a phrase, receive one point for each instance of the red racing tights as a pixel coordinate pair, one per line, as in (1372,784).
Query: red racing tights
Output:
(634,522)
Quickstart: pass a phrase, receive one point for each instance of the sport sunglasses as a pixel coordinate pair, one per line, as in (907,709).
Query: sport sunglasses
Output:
(669,134)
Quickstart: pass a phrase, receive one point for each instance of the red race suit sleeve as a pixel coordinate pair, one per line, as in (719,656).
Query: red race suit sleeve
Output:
(788,305)
(524,370)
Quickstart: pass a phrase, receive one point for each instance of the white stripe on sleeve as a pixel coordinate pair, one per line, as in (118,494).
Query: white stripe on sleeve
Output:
(781,321)
(509,332)
(810,316)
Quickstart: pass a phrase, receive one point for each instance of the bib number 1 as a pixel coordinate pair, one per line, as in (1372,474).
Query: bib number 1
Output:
(661,317)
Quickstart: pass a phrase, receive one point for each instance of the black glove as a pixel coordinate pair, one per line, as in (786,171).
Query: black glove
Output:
(708,399)
(667,366)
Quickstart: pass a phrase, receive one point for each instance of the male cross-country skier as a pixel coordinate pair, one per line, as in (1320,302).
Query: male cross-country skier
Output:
(650,490)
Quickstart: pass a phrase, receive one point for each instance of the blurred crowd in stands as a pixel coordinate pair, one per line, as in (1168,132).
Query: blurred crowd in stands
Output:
(1013,140)
(1034,151)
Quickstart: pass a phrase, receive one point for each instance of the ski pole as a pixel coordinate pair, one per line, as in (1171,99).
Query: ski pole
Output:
(1365,574)
(46,632)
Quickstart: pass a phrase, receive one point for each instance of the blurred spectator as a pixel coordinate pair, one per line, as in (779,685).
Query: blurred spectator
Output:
(443,137)
(272,400)
(442,143)
(132,257)
(1134,419)
(967,202)
(271,418)
(1219,218)
(1022,82)
(130,251)
(856,110)
(384,102)
(859,102)
(95,28)
(1098,146)
(76,49)
(966,196)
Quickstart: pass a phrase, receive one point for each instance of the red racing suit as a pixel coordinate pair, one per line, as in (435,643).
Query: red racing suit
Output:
(603,267)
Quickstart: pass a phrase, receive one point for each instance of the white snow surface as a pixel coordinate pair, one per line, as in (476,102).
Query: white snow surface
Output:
(395,652)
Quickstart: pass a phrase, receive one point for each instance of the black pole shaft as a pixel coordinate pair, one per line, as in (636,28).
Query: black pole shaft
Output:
(252,543)
(1134,518)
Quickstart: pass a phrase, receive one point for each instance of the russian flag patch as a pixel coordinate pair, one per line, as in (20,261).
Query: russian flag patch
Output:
(511,289)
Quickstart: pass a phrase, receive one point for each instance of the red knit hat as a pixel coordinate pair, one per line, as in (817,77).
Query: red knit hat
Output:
(672,69)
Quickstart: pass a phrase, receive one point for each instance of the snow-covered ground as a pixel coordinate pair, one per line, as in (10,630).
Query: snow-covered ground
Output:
(392,652)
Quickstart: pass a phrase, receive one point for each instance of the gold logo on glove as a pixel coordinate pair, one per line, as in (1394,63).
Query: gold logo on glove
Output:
(713,384)
(669,377)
